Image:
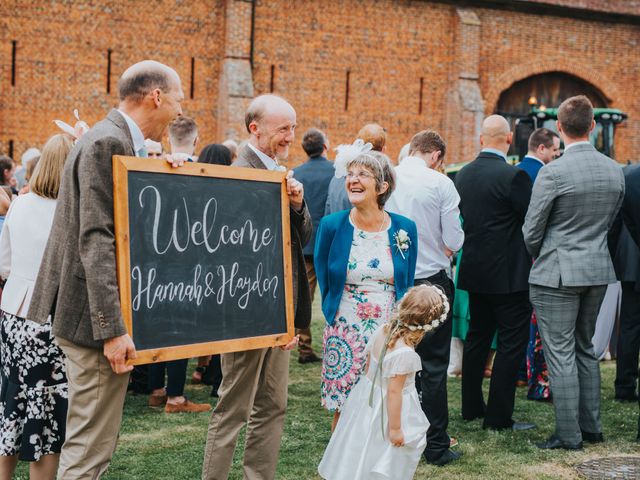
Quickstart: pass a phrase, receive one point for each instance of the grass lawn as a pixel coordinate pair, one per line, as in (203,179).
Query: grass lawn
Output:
(156,446)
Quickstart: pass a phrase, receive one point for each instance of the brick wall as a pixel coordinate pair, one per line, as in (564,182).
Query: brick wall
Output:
(61,59)
(465,58)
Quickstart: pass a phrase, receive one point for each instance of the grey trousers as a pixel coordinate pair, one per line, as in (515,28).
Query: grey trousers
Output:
(567,320)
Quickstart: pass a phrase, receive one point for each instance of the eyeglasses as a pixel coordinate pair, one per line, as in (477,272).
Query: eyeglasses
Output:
(360,175)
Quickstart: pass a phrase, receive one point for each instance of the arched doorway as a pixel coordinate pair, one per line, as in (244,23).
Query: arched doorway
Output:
(548,90)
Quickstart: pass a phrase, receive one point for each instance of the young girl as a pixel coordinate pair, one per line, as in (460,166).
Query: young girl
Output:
(382,430)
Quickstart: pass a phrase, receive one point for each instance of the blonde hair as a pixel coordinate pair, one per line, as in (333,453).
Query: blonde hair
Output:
(420,306)
(45,181)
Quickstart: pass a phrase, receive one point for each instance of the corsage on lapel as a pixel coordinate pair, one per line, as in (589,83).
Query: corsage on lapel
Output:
(402,241)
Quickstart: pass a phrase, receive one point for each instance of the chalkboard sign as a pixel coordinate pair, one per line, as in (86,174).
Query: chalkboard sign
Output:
(204,262)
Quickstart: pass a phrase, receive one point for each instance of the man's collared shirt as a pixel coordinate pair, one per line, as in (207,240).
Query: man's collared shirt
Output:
(136,133)
(571,145)
(430,199)
(495,151)
(269,162)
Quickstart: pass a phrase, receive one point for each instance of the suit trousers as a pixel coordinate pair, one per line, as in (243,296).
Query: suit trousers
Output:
(96,397)
(510,315)
(253,392)
(304,346)
(176,371)
(628,342)
(567,320)
(434,350)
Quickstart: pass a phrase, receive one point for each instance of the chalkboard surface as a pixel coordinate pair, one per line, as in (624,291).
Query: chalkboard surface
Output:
(205,259)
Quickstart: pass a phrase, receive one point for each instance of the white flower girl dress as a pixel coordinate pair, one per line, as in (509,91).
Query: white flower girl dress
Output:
(358,449)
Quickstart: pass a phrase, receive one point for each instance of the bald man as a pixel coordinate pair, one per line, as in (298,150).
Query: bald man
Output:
(494,269)
(254,383)
(77,282)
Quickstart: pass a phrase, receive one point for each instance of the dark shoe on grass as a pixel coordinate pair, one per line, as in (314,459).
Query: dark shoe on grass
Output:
(554,443)
(592,437)
(447,457)
(309,358)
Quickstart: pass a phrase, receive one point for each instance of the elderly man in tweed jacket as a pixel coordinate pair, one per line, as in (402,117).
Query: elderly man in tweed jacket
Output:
(573,205)
(77,282)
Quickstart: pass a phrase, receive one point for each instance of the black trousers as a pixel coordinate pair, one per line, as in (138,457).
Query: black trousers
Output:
(176,376)
(628,342)
(434,350)
(510,315)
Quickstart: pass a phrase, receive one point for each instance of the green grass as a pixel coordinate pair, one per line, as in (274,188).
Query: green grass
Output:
(158,446)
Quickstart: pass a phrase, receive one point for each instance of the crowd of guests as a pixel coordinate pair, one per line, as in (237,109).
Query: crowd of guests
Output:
(532,244)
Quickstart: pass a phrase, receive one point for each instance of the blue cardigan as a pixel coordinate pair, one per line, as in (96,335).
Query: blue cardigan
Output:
(333,245)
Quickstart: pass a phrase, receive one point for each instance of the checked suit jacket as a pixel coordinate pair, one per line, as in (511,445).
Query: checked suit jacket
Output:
(573,205)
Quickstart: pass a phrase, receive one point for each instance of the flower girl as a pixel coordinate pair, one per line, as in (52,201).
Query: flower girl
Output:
(382,430)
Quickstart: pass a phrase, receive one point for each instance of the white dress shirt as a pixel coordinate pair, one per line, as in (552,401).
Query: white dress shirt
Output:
(269,162)
(22,242)
(430,199)
(136,134)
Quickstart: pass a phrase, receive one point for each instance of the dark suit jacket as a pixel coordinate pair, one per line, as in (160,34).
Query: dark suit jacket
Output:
(77,276)
(337,198)
(627,254)
(531,166)
(494,197)
(300,233)
(315,174)
(335,237)
(631,202)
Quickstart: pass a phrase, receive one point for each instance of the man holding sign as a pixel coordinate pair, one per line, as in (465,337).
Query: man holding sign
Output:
(77,283)
(254,384)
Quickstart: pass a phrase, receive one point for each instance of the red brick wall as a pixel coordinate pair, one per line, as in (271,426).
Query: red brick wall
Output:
(62,59)
(603,54)
(387,45)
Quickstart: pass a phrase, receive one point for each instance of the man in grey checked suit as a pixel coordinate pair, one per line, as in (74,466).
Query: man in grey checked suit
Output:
(574,203)
(77,283)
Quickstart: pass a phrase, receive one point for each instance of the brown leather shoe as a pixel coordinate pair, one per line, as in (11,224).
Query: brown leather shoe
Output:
(186,407)
(157,400)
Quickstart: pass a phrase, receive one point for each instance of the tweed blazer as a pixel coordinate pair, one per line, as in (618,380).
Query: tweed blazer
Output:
(573,205)
(331,256)
(301,229)
(77,280)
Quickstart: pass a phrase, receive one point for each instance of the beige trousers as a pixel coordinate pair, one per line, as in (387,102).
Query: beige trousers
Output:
(96,397)
(253,392)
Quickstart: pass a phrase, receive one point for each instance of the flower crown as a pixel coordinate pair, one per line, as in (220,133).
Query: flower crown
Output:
(429,327)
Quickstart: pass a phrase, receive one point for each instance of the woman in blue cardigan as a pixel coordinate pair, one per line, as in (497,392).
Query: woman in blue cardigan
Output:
(365,260)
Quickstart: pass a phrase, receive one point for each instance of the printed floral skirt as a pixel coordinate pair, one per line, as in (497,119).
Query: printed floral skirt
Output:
(537,372)
(33,390)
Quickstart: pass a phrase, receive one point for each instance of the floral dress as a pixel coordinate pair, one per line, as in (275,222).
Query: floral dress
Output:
(367,302)
(33,389)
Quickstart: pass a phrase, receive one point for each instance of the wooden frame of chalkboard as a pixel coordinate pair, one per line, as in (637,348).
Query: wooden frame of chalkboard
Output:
(129,170)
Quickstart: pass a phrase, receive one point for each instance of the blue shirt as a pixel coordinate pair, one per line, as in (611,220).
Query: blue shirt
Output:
(500,153)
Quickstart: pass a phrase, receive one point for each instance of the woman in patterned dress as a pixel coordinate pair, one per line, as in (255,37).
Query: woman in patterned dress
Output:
(365,260)
(33,384)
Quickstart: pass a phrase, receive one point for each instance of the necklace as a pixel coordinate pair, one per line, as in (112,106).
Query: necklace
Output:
(352,215)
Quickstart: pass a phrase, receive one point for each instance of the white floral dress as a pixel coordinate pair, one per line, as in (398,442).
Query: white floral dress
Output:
(33,389)
(367,302)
